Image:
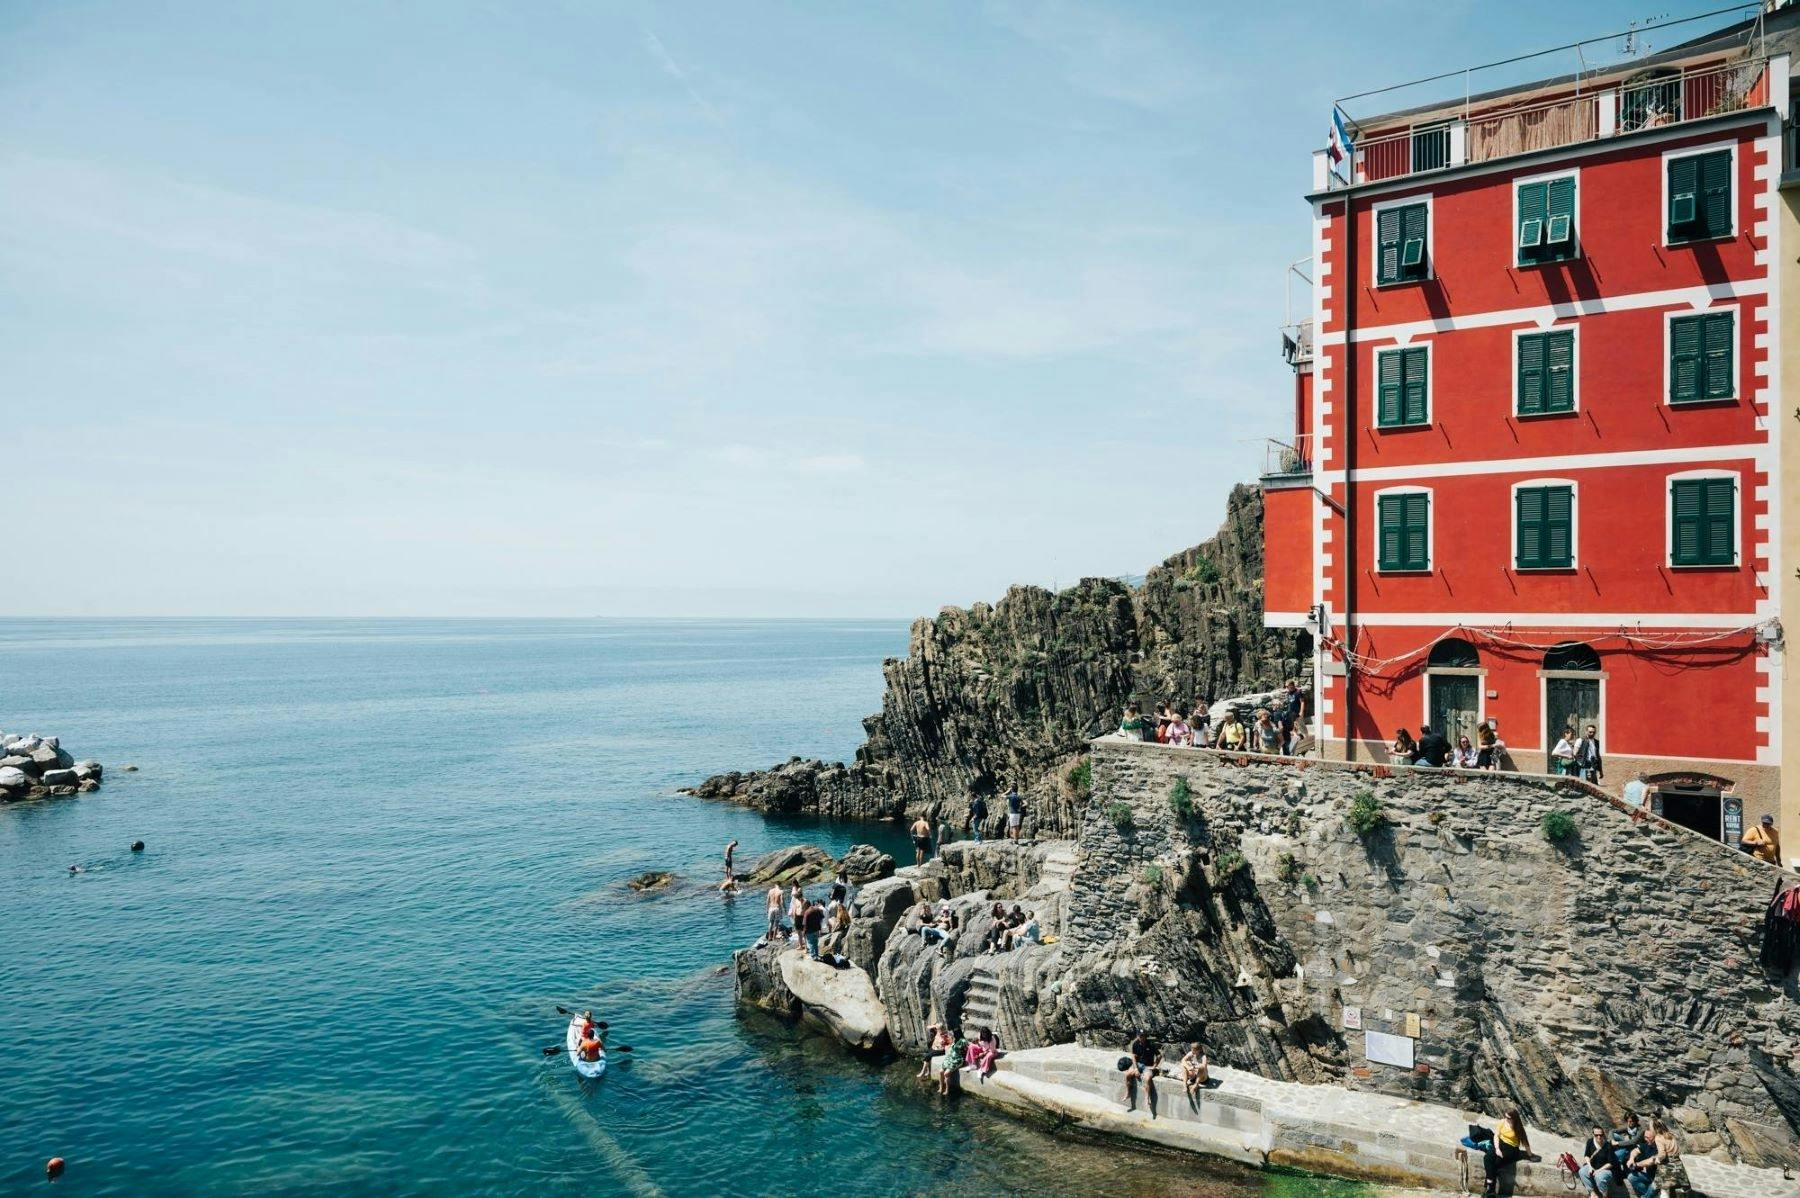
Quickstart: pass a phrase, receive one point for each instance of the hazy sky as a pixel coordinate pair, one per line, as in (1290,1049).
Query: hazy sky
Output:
(350,307)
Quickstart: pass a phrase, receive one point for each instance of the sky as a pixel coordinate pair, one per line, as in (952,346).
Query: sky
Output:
(586,309)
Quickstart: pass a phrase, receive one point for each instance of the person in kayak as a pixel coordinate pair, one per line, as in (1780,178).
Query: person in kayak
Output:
(592,1044)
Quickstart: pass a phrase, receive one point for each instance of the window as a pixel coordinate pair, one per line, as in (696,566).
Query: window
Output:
(1400,248)
(1702,520)
(1700,196)
(1404,520)
(1401,398)
(1545,529)
(1546,372)
(1546,220)
(1700,357)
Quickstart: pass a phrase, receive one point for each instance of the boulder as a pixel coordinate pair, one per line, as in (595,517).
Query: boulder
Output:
(14,779)
(803,863)
(655,879)
(51,742)
(16,762)
(865,863)
(61,778)
(49,757)
(88,769)
(844,1000)
(23,746)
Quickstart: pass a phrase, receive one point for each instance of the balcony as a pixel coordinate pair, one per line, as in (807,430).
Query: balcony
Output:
(1297,343)
(1288,465)
(1491,128)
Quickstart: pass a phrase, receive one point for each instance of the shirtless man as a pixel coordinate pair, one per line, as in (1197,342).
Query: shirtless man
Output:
(921,838)
(730,874)
(774,932)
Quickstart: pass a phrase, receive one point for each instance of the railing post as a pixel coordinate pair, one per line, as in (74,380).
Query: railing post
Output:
(1607,112)
(1459,143)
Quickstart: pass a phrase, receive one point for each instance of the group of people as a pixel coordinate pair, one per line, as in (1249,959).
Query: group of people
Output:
(1143,1064)
(1631,1153)
(1486,752)
(930,835)
(809,922)
(1274,730)
(1011,929)
(949,1052)
(590,1042)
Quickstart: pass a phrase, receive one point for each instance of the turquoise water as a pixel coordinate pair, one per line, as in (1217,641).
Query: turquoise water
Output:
(379,854)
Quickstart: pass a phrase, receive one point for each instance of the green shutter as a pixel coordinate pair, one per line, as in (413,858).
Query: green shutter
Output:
(1701,521)
(1412,241)
(1559,527)
(1530,527)
(1559,367)
(1531,374)
(1718,330)
(1684,358)
(1387,234)
(1715,194)
(1684,197)
(1559,226)
(1533,211)
(1413,381)
(1388,410)
(1392,535)
(1545,528)
(1418,555)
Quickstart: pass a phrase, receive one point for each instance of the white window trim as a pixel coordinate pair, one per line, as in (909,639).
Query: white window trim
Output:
(1736,197)
(1737,354)
(1512,515)
(1543,720)
(1430,386)
(1375,211)
(1575,233)
(1574,330)
(1737,518)
(1430,528)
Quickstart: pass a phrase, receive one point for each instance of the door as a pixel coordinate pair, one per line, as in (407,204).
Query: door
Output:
(1455,706)
(1700,810)
(1569,702)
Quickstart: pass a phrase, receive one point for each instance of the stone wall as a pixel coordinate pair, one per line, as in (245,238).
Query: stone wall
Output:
(1618,968)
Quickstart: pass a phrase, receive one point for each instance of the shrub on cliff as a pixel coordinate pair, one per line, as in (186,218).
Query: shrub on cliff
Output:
(1204,571)
(1081,778)
(1181,800)
(1120,814)
(1558,826)
(1366,815)
(1230,862)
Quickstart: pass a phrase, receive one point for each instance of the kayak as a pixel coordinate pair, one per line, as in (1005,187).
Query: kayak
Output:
(585,1068)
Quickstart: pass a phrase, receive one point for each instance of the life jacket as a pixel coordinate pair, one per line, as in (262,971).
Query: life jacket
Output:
(589,1048)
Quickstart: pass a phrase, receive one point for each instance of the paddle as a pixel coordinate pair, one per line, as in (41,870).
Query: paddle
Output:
(552,1049)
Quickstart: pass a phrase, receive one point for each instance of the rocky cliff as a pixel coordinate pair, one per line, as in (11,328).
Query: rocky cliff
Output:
(1451,944)
(993,697)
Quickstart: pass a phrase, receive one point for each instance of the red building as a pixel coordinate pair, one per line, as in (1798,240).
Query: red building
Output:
(1533,470)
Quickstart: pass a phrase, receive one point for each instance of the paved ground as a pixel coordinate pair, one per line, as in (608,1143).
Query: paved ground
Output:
(1330,1129)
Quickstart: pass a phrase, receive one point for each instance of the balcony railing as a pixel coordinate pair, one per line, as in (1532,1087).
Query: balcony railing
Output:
(1665,97)
(1297,342)
(1284,462)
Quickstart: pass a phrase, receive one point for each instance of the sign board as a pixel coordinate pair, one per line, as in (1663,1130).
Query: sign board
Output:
(1386,1049)
(1412,1025)
(1352,1017)
(1734,820)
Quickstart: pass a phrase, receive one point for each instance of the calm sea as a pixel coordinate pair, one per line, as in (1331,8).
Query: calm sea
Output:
(379,854)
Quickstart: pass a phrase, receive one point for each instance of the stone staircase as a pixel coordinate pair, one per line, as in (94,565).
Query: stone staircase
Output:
(981,1001)
(1060,860)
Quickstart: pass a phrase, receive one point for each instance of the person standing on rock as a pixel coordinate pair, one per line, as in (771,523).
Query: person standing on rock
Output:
(1200,720)
(797,910)
(978,814)
(1291,707)
(814,921)
(921,838)
(1015,814)
(774,933)
(730,850)
(840,886)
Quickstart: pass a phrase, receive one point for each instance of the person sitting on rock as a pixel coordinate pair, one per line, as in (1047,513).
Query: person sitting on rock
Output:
(996,928)
(1598,1168)
(951,1063)
(1509,1146)
(1194,1070)
(1145,1056)
(1657,1149)
(937,1041)
(982,1052)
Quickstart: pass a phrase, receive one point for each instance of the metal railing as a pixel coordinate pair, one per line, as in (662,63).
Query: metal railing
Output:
(1663,97)
(1284,460)
(1297,342)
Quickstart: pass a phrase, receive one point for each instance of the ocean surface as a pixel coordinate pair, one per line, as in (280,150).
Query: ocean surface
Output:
(380,854)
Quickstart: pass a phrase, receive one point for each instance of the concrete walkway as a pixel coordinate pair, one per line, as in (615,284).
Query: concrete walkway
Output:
(1325,1129)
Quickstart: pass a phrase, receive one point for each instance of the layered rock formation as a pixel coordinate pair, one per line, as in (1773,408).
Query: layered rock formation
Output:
(32,766)
(1233,900)
(1007,696)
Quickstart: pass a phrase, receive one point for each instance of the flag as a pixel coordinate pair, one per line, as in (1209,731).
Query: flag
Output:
(1339,146)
